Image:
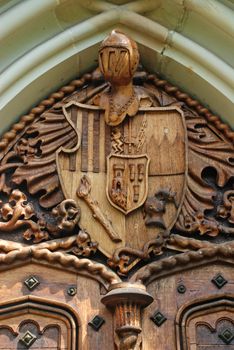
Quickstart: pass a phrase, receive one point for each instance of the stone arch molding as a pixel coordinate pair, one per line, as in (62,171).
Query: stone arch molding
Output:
(69,47)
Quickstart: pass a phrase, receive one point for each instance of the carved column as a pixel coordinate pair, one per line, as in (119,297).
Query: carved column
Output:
(127,300)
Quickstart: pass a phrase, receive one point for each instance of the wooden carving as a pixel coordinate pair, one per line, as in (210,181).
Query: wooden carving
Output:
(83,191)
(119,162)
(120,158)
(28,333)
(208,326)
(34,325)
(127,300)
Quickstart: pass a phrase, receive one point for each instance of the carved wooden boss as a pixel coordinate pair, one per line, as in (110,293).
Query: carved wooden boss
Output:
(108,178)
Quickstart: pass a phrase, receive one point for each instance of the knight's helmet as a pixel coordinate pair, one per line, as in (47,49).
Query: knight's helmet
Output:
(118,58)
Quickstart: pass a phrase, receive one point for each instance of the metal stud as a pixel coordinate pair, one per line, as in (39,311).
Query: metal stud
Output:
(181,288)
(97,322)
(219,281)
(72,291)
(28,339)
(158,318)
(227,336)
(32,282)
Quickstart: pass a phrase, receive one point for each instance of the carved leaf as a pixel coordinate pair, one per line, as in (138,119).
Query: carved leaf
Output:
(44,137)
(206,149)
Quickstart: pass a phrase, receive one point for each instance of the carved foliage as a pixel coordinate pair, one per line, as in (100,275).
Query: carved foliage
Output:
(124,258)
(207,149)
(226,209)
(37,151)
(19,213)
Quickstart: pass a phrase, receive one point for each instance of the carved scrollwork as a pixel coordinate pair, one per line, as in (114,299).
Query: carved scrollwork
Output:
(122,258)
(84,245)
(226,210)
(67,214)
(201,224)
(19,213)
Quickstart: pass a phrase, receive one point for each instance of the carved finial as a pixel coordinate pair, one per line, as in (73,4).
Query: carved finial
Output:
(118,61)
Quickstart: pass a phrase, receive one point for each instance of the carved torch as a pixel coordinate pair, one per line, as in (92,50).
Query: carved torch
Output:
(127,301)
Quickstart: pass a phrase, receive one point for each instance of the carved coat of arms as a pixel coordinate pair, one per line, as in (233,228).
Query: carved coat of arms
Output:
(127,172)
(122,163)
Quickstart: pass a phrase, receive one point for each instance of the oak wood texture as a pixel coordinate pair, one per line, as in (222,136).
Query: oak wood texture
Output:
(199,291)
(49,305)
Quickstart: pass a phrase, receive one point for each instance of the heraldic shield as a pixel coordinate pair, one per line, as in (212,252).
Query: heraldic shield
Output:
(127,184)
(129,179)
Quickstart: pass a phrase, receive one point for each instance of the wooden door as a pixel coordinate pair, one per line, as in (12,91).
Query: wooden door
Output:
(117,216)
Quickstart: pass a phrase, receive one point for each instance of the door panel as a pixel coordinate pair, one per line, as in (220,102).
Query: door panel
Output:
(219,338)
(209,325)
(193,317)
(56,318)
(37,325)
(34,332)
